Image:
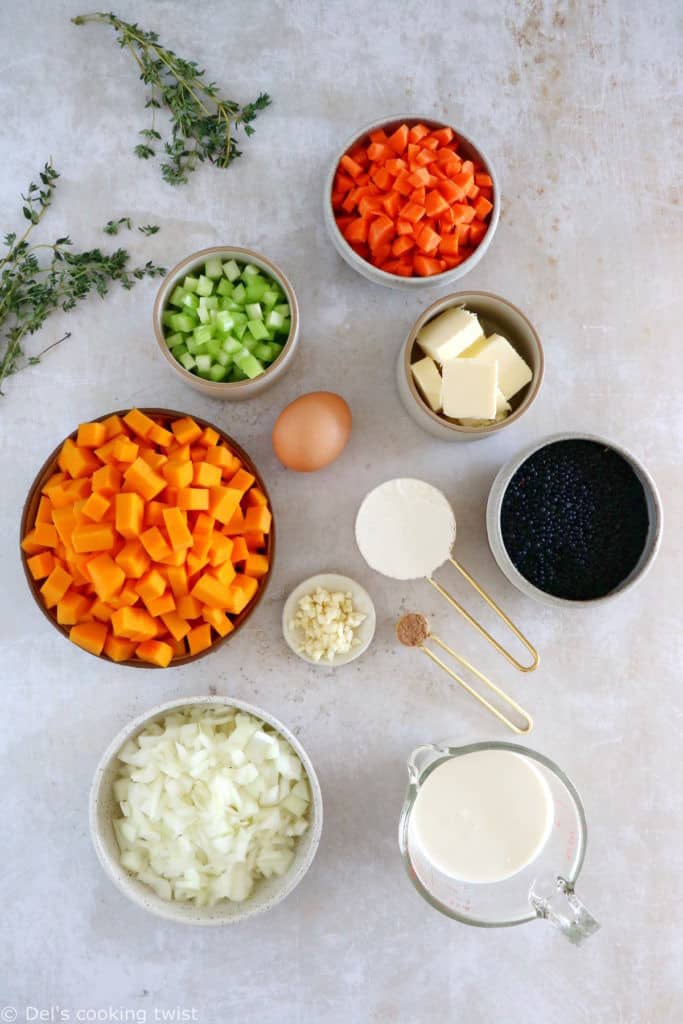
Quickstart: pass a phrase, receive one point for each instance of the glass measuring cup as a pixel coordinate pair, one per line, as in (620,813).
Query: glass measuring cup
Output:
(544,888)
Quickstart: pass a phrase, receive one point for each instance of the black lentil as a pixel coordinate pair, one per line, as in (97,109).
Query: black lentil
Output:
(574,519)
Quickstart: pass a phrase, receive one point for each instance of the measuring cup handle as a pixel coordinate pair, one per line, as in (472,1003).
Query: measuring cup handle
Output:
(554,900)
(421,758)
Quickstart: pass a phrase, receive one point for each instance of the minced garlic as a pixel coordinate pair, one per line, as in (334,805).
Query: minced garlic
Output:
(327,620)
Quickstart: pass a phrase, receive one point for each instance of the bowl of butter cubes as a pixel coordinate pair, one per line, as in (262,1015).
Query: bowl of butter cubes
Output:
(226,321)
(471,365)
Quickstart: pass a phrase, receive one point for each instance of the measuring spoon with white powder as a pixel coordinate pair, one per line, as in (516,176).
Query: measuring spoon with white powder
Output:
(405,529)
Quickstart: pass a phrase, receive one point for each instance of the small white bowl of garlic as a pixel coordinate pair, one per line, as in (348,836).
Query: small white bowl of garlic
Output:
(328,620)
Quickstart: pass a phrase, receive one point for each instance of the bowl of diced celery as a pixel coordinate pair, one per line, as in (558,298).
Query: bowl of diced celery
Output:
(227,321)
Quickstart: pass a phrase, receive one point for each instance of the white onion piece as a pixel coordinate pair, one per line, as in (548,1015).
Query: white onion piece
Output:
(211,800)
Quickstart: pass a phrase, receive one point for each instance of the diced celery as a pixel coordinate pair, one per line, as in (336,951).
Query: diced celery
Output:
(274,319)
(204,315)
(190,283)
(224,287)
(237,374)
(203,362)
(248,363)
(182,322)
(177,296)
(204,285)
(262,352)
(213,347)
(204,374)
(254,311)
(166,317)
(218,372)
(239,294)
(174,340)
(249,270)
(208,302)
(256,288)
(239,330)
(258,330)
(231,270)
(231,345)
(213,267)
(190,301)
(249,343)
(224,358)
(196,348)
(179,351)
(203,333)
(224,321)
(240,318)
(269,298)
(187,361)
(275,349)
(286,324)
(283,309)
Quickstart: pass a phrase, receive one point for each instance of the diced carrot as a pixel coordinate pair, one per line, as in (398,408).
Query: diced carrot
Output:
(402,184)
(417,132)
(477,231)
(418,196)
(91,435)
(482,208)
(90,636)
(412,212)
(391,204)
(380,233)
(357,231)
(398,140)
(424,266)
(404,227)
(428,240)
(443,135)
(435,204)
(419,177)
(462,213)
(350,166)
(449,245)
(199,638)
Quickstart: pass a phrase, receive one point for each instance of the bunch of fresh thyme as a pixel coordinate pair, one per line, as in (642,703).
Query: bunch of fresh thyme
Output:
(203,122)
(31,290)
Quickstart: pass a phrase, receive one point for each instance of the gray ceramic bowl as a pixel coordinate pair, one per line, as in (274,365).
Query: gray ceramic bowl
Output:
(242,389)
(469,148)
(267,893)
(495,537)
(496,315)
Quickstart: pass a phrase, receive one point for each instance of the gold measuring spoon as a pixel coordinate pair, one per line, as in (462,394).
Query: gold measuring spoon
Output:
(413,631)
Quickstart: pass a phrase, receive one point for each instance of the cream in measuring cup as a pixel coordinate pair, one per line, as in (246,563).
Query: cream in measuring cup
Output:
(482,817)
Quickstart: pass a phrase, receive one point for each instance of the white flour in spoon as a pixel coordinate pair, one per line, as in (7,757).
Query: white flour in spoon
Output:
(405,529)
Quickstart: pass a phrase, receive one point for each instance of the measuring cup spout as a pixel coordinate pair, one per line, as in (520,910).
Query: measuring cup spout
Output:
(554,900)
(421,758)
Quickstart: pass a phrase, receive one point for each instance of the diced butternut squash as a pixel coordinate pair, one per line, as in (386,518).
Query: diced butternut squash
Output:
(257,518)
(130,510)
(107,577)
(90,636)
(72,608)
(139,423)
(106,480)
(241,481)
(177,626)
(46,535)
(134,624)
(156,652)
(40,566)
(93,537)
(186,430)
(91,435)
(240,551)
(96,506)
(178,474)
(76,461)
(242,590)
(224,502)
(193,499)
(118,649)
(218,620)
(199,638)
(176,527)
(155,544)
(133,559)
(151,585)
(256,565)
(141,478)
(177,579)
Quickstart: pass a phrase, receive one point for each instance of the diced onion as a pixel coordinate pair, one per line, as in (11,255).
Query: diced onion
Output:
(211,801)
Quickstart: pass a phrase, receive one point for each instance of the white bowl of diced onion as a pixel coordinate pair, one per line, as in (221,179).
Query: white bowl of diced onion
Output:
(205,826)
(329,620)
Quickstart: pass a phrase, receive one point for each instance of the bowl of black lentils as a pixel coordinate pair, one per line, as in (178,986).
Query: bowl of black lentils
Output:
(573,520)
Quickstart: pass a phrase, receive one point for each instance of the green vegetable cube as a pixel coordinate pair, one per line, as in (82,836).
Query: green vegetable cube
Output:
(239,294)
(204,286)
(249,270)
(254,311)
(190,301)
(224,358)
(258,330)
(203,362)
(218,372)
(182,322)
(283,309)
(231,345)
(166,317)
(262,352)
(231,270)
(248,363)
(274,320)
(256,288)
(177,296)
(190,283)
(174,340)
(203,333)
(269,298)
(213,267)
(224,321)
(187,361)
(224,287)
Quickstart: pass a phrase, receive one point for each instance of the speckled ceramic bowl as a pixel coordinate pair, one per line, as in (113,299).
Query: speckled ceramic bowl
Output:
(495,535)
(238,390)
(267,893)
(496,315)
(469,148)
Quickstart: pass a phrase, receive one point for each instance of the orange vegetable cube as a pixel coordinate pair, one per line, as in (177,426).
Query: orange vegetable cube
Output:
(177,627)
(72,608)
(186,430)
(175,558)
(255,497)
(101,611)
(96,506)
(130,510)
(90,636)
(239,549)
(91,435)
(209,437)
(241,591)
(126,597)
(255,540)
(206,475)
(54,481)
(151,585)
(256,565)
(155,460)
(125,450)
(199,638)
(76,461)
(221,456)
(225,573)
(46,535)
(188,607)
(203,524)
(133,624)
(114,426)
(176,526)
(118,649)
(93,537)
(258,519)
(154,513)
(141,478)
(218,619)
(177,580)
(156,652)
(179,474)
(159,435)
(155,544)
(106,480)
(220,549)
(193,499)
(241,481)
(209,590)
(55,586)
(133,559)
(236,524)
(139,423)
(107,577)
(44,513)
(40,566)
(161,605)
(224,501)
(29,545)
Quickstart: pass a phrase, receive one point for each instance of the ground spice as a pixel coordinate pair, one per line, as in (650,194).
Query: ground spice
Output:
(574,519)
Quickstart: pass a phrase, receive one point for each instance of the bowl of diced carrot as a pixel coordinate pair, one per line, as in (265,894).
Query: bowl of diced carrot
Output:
(147,537)
(410,202)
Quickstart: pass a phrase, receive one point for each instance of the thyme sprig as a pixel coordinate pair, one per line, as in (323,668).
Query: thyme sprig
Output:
(30,289)
(204,124)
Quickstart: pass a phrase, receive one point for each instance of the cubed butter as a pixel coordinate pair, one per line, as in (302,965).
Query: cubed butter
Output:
(449,334)
(428,380)
(513,372)
(503,409)
(469,389)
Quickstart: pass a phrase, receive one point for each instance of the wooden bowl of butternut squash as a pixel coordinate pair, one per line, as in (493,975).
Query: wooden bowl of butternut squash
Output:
(147,537)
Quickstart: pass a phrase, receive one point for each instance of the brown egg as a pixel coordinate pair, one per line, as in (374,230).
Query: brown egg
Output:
(312,431)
